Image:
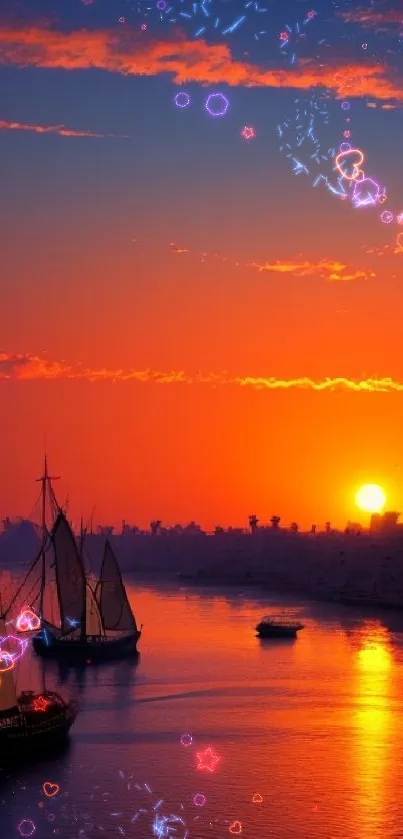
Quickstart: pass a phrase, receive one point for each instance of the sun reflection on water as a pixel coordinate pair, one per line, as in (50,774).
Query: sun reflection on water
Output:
(372,720)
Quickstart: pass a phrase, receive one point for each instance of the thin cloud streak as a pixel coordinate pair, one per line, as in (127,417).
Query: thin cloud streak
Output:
(61,130)
(130,53)
(372,18)
(25,368)
(328,270)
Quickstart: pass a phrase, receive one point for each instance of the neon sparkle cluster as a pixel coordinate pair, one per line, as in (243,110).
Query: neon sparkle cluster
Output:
(307,137)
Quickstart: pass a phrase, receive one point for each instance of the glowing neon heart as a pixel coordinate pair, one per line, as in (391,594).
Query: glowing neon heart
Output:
(235,827)
(257,798)
(50,789)
(356,166)
(28,621)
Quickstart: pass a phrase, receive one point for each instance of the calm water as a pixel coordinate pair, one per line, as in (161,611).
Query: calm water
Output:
(313,726)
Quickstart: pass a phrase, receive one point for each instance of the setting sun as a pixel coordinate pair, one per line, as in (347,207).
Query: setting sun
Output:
(370,498)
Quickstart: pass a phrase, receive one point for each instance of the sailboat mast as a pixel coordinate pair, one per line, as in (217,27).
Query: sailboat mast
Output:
(46,486)
(81,552)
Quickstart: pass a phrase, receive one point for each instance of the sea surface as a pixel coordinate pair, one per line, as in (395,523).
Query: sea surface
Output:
(308,733)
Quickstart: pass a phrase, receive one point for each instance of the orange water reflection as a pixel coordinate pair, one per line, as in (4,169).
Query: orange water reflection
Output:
(372,719)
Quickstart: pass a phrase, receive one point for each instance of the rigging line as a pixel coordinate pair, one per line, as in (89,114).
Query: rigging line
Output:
(43,549)
(23,583)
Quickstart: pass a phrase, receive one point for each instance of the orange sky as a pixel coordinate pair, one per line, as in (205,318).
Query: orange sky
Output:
(214,452)
(198,333)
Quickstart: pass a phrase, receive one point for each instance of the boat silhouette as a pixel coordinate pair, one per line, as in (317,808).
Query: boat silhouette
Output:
(30,723)
(80,620)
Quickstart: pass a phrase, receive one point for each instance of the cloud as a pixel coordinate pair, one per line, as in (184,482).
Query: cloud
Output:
(61,130)
(324,269)
(371,18)
(21,367)
(130,52)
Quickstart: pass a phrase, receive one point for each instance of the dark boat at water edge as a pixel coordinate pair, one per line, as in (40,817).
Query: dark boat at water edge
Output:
(270,627)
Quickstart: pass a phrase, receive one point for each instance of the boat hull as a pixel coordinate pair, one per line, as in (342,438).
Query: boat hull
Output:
(34,734)
(277,633)
(265,630)
(67,649)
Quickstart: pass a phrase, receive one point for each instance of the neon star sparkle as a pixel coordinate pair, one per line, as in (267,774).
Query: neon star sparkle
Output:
(248,132)
(40,703)
(208,760)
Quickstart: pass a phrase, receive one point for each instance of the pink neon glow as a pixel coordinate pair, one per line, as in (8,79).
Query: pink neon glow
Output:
(186,739)
(207,760)
(248,132)
(6,661)
(366,193)
(257,798)
(340,158)
(8,657)
(26,828)
(235,827)
(199,799)
(28,621)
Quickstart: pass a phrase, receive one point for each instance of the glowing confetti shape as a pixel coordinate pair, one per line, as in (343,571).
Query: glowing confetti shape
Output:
(207,760)
(182,99)
(28,621)
(40,703)
(26,827)
(387,217)
(343,157)
(366,193)
(248,132)
(9,656)
(257,798)
(166,826)
(216,104)
(186,739)
(292,35)
(199,799)
(50,789)
(6,661)
(235,827)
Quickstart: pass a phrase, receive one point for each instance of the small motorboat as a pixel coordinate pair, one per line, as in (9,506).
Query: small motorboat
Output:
(280,627)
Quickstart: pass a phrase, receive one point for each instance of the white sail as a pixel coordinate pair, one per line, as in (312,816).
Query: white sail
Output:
(8,693)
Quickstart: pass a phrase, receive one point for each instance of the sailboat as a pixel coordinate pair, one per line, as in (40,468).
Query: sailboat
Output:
(29,719)
(95,624)
(80,621)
